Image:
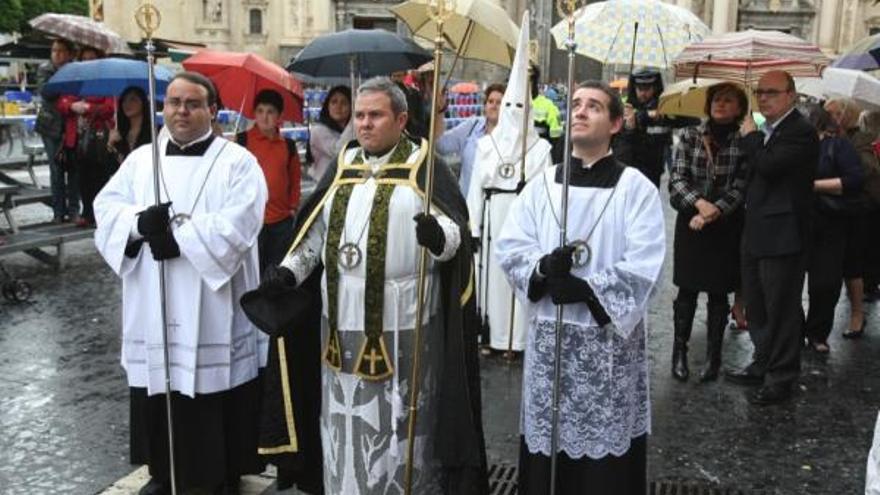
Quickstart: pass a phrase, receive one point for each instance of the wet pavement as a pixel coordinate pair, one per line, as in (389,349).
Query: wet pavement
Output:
(64,411)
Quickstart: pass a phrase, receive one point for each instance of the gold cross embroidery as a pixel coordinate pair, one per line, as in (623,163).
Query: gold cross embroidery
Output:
(373,358)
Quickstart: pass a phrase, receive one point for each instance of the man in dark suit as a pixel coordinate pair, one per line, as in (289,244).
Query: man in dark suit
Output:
(782,160)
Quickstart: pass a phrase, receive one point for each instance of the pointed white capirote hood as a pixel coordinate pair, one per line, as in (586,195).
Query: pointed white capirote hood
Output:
(509,132)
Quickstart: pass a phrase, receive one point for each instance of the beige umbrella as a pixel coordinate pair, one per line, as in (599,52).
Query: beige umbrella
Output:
(478,29)
(687,98)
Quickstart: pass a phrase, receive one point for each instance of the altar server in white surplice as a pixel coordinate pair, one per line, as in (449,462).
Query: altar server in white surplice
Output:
(213,194)
(604,278)
(497,179)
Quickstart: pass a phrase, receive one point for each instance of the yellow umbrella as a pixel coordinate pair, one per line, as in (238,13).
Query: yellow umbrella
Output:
(687,98)
(478,29)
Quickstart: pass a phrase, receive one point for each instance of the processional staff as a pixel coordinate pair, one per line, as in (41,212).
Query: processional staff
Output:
(148,18)
(439,11)
(567,10)
(527,114)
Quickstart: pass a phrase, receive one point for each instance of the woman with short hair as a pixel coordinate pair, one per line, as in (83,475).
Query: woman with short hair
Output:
(707,187)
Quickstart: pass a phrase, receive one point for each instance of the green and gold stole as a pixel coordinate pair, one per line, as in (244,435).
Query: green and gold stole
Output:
(373,362)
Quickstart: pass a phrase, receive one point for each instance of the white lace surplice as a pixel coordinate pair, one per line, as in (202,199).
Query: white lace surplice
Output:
(604,400)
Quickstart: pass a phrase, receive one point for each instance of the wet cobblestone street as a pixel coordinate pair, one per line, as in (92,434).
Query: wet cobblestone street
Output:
(64,400)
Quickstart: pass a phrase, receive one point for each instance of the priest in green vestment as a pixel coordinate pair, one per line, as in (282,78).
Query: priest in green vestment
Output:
(355,259)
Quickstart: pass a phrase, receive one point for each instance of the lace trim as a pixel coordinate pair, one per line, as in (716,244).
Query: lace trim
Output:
(518,268)
(452,234)
(303,260)
(624,296)
(604,401)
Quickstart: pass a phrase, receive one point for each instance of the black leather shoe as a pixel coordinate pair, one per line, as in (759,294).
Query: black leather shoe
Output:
(709,372)
(770,394)
(155,487)
(680,369)
(743,378)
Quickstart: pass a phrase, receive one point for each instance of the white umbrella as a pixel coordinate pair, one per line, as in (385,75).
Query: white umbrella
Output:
(810,86)
(637,32)
(848,83)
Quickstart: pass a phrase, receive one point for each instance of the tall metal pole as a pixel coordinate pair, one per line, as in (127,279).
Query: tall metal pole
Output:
(527,107)
(439,11)
(148,18)
(566,9)
(352,68)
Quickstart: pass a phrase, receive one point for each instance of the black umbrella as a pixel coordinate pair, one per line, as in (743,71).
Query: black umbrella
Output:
(363,52)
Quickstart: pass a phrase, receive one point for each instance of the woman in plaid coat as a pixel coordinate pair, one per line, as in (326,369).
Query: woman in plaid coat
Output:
(707,188)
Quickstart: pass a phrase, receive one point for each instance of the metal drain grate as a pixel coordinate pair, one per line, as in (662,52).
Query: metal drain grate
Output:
(502,479)
(688,487)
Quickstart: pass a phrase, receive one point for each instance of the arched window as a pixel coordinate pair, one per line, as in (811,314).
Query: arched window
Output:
(256,21)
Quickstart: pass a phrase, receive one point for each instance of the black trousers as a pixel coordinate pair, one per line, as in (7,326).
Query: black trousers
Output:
(274,241)
(825,270)
(871,267)
(625,475)
(215,435)
(93,173)
(689,296)
(772,287)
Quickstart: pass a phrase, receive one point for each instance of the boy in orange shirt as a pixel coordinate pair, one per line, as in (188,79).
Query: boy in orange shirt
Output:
(279,160)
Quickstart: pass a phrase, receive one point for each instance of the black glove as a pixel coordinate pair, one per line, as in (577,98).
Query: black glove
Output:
(154,220)
(429,233)
(475,242)
(133,248)
(277,279)
(571,289)
(567,290)
(163,246)
(558,263)
(537,287)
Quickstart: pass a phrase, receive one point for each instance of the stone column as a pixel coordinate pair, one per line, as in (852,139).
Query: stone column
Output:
(720,16)
(829,24)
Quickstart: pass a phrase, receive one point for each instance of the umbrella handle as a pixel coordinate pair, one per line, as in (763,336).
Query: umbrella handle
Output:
(465,40)
(241,107)
(632,52)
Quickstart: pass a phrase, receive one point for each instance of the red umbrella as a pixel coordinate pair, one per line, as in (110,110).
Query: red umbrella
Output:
(465,87)
(240,76)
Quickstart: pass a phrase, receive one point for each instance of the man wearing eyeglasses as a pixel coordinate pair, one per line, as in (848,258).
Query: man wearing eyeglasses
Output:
(213,196)
(782,160)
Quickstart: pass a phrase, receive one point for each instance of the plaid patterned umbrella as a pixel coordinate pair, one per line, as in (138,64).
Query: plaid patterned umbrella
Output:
(639,32)
(747,55)
(81,30)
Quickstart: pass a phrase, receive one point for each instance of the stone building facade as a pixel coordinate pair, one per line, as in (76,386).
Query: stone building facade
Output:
(275,29)
(278,29)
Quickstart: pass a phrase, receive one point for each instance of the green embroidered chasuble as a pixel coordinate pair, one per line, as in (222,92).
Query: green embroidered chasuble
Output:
(373,361)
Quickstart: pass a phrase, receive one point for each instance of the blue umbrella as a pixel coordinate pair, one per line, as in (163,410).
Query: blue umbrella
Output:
(105,77)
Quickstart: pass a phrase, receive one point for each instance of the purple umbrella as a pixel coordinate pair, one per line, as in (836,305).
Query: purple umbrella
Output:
(857,61)
(863,55)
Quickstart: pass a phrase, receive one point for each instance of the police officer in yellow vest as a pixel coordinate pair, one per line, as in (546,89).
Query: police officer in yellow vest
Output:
(545,114)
